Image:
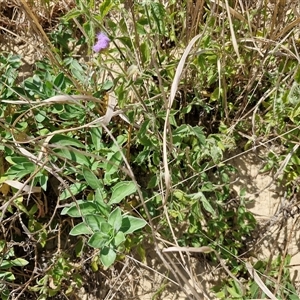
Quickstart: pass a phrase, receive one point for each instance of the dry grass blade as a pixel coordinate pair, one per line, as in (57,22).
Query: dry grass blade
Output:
(38,29)
(233,12)
(233,38)
(287,28)
(180,277)
(217,92)
(259,282)
(174,88)
(24,188)
(203,249)
(35,21)
(112,102)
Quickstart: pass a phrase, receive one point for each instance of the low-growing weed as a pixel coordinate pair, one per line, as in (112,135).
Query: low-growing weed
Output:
(83,140)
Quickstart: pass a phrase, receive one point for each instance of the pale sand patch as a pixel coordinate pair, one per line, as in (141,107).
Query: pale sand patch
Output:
(282,229)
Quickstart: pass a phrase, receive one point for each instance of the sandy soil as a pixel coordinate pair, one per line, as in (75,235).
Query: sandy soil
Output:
(281,234)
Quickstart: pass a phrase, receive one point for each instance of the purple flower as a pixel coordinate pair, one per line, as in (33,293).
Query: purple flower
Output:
(102,42)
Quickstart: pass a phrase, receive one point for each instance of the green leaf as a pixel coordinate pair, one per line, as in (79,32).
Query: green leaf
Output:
(102,207)
(142,253)
(57,108)
(140,28)
(96,135)
(14,60)
(73,190)
(115,218)
(42,180)
(107,85)
(294,297)
(105,7)
(21,170)
(19,262)
(207,206)
(17,160)
(94,221)
(8,276)
(77,70)
(294,94)
(107,229)
(234,293)
(60,81)
(74,13)
(119,238)
(131,224)
(19,204)
(94,264)
(80,228)
(91,179)
(145,51)
(79,247)
(89,30)
(121,190)
(40,116)
(216,94)
(100,195)
(33,88)
(98,240)
(158,12)
(2,245)
(4,293)
(153,182)
(82,208)
(295,112)
(73,155)
(5,264)
(126,41)
(199,133)
(64,140)
(295,160)
(107,256)
(182,130)
(32,210)
(115,160)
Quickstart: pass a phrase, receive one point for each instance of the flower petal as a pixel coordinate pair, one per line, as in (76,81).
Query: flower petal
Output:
(102,43)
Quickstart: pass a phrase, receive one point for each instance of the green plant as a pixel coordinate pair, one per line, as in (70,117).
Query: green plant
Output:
(8,261)
(107,227)
(57,153)
(285,290)
(61,276)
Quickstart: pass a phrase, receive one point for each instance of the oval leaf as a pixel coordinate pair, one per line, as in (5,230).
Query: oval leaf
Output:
(207,206)
(73,190)
(131,224)
(64,140)
(80,228)
(107,256)
(82,208)
(98,240)
(122,190)
(115,218)
(73,155)
(19,262)
(91,179)
(119,238)
(94,221)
